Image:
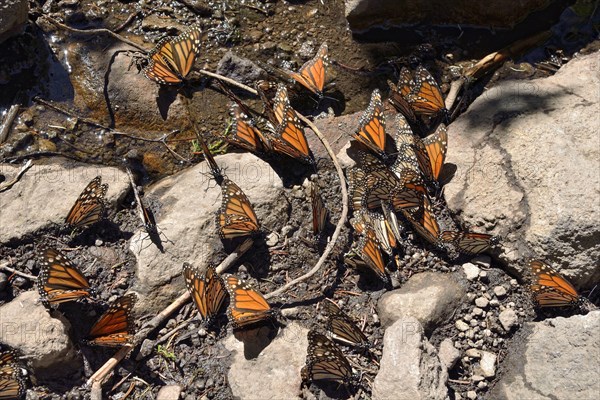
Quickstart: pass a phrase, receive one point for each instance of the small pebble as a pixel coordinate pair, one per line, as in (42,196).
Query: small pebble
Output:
(477,378)
(482,385)
(494,303)
(483,260)
(461,325)
(471,271)
(483,276)
(272,239)
(488,364)
(98,242)
(482,302)
(473,353)
(500,291)
(477,311)
(508,318)
(471,394)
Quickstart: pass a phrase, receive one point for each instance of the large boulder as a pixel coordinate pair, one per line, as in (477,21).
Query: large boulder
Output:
(46,192)
(362,14)
(29,327)
(556,358)
(528,162)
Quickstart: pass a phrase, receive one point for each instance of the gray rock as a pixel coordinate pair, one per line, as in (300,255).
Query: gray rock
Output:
(482,302)
(362,14)
(483,260)
(472,395)
(547,357)
(487,364)
(461,325)
(239,69)
(196,240)
(28,327)
(508,318)
(409,368)
(25,206)
(169,392)
(430,297)
(13,16)
(471,271)
(500,291)
(283,358)
(511,124)
(448,354)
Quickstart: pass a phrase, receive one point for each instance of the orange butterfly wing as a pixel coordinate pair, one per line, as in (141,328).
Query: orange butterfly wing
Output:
(59,280)
(116,326)
(173,58)
(207,290)
(89,206)
(236,217)
(436,145)
(12,376)
(312,73)
(425,96)
(469,242)
(371,127)
(319,212)
(246,305)
(550,289)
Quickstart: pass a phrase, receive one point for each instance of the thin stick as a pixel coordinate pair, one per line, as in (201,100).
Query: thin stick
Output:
(340,224)
(229,80)
(98,377)
(95,32)
(7,123)
(4,266)
(7,185)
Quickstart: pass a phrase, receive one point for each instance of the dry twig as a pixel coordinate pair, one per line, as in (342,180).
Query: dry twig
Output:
(4,266)
(7,185)
(7,123)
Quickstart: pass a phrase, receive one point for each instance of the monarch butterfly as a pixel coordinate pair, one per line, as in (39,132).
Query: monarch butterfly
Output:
(90,206)
(243,133)
(424,222)
(325,361)
(371,126)
(59,280)
(421,92)
(236,217)
(145,213)
(382,185)
(400,104)
(246,305)
(436,146)
(391,219)
(207,290)
(116,326)
(319,212)
(412,153)
(288,136)
(551,289)
(12,376)
(469,242)
(356,187)
(312,73)
(173,57)
(342,328)
(369,250)
(368,219)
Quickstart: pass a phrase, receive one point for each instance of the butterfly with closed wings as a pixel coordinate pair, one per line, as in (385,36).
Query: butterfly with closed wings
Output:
(59,281)
(12,376)
(469,242)
(246,305)
(421,92)
(325,362)
(207,290)
(551,289)
(371,126)
(116,326)
(342,328)
(319,212)
(89,206)
(313,73)
(172,59)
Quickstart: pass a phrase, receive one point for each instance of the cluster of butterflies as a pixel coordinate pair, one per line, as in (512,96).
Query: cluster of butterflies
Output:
(382,190)
(60,281)
(209,290)
(325,362)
